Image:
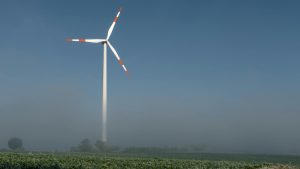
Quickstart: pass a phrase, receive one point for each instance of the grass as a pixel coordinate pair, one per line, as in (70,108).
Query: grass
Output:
(123,161)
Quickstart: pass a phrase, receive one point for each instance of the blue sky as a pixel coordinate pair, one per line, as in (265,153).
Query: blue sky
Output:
(200,71)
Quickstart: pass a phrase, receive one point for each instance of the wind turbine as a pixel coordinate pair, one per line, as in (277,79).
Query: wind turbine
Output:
(105,42)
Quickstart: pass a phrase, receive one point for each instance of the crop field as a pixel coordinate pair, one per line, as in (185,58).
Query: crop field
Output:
(95,161)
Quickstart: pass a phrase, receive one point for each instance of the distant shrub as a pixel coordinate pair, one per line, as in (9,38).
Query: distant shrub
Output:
(15,143)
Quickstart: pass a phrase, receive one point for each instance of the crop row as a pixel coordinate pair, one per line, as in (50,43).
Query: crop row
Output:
(90,161)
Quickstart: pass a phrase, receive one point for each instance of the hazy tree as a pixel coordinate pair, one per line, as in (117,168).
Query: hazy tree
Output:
(15,143)
(113,148)
(103,147)
(73,149)
(85,146)
(100,146)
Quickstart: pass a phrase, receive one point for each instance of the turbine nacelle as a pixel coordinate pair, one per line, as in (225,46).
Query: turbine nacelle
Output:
(104,42)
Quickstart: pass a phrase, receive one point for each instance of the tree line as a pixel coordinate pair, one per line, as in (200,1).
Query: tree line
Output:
(16,144)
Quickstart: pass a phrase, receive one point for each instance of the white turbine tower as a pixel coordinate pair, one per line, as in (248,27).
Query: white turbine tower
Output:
(105,42)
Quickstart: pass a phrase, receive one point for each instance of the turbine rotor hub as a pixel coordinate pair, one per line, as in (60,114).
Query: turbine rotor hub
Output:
(104,42)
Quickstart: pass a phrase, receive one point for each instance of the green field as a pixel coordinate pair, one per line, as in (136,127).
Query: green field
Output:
(123,161)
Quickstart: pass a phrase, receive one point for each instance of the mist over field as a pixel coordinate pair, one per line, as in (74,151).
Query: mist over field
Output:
(56,117)
(224,75)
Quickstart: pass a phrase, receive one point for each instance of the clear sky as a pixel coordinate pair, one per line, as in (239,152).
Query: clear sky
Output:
(224,74)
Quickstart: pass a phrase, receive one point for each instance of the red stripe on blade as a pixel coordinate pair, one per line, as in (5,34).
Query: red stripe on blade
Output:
(120,62)
(116,18)
(81,40)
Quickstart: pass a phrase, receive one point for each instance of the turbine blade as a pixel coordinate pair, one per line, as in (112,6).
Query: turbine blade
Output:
(118,57)
(86,40)
(113,24)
